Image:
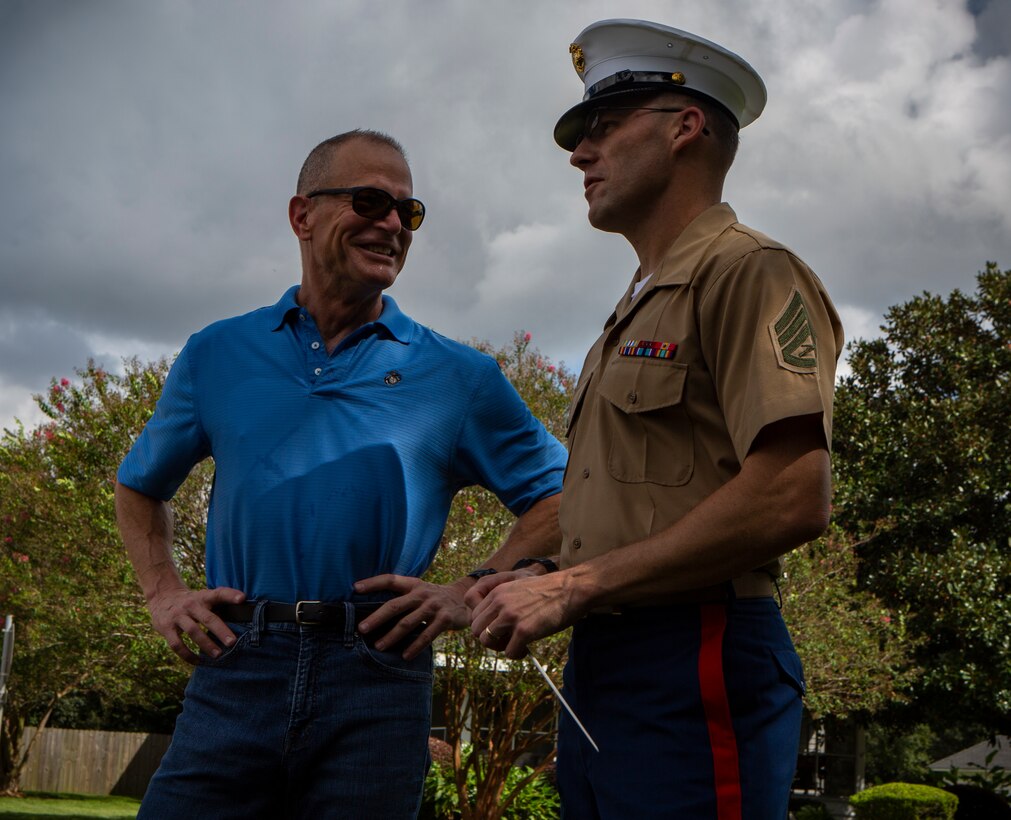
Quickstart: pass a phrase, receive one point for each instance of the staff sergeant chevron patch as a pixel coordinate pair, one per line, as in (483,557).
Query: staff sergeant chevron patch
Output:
(792,337)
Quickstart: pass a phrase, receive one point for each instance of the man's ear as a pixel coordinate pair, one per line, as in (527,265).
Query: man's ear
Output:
(690,126)
(298,216)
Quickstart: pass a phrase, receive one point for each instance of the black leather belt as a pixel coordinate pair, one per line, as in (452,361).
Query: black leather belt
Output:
(312,614)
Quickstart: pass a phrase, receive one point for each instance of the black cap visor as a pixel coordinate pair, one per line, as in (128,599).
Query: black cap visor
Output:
(569,128)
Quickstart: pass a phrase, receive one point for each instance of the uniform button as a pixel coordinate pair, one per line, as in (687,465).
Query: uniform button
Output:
(318,370)
(301,317)
(315,345)
(577,543)
(633,397)
(586,472)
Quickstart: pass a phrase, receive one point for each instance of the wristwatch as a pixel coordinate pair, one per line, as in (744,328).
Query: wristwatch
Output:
(547,563)
(480,573)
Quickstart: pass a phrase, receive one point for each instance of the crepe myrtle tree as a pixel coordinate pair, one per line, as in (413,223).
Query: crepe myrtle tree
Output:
(503,706)
(82,624)
(856,651)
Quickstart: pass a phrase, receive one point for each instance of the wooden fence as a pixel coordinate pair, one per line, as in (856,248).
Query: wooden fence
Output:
(92,762)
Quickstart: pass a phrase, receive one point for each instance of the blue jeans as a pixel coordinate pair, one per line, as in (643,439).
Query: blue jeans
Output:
(298,721)
(696,709)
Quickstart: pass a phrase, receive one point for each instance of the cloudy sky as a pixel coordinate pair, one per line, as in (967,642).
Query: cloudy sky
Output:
(148,151)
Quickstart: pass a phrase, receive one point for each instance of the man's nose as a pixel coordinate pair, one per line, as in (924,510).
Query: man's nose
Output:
(582,154)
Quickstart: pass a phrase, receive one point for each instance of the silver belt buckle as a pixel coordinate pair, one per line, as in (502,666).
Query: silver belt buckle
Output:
(298,614)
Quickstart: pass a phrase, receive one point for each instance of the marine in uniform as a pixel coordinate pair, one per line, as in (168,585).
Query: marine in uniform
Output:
(698,455)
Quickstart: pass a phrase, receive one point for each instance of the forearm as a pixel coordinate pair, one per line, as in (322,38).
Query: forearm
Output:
(145,525)
(761,514)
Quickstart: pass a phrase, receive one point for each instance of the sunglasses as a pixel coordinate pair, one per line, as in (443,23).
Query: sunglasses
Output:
(375,203)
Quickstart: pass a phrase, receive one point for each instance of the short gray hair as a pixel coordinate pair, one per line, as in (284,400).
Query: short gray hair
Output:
(317,164)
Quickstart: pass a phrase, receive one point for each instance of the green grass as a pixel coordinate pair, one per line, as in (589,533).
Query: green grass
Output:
(44,805)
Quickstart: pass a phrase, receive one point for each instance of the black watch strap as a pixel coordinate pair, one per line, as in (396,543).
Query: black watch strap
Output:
(480,573)
(547,563)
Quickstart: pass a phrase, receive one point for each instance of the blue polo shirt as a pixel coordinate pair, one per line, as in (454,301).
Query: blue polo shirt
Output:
(332,468)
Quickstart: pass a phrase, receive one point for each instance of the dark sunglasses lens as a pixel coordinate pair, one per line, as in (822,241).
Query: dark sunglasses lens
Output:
(372,203)
(375,203)
(411,213)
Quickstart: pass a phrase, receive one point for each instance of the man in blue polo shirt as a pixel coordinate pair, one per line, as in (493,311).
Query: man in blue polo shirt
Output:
(340,430)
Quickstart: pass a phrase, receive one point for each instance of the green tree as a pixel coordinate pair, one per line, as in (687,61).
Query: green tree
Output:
(82,626)
(503,705)
(923,471)
(856,651)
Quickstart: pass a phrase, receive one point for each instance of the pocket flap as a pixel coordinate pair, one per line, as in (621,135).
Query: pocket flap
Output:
(639,385)
(790,668)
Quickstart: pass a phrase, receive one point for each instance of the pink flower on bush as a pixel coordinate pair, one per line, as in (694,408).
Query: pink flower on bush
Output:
(21,558)
(551,368)
(885,619)
(60,407)
(469,508)
(527,336)
(50,435)
(8,540)
(65,382)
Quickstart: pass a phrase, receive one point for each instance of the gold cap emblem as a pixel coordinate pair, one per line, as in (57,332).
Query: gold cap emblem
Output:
(578,62)
(677,78)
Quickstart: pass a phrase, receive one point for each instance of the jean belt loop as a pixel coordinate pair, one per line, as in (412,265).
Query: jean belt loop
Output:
(259,621)
(350,624)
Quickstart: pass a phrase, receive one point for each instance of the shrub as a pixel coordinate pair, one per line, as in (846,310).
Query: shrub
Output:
(537,801)
(813,811)
(977,803)
(904,801)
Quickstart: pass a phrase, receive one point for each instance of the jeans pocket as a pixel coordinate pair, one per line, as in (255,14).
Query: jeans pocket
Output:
(790,669)
(392,663)
(228,653)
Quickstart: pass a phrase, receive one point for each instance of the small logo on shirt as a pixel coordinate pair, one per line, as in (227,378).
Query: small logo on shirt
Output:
(651,349)
(392,378)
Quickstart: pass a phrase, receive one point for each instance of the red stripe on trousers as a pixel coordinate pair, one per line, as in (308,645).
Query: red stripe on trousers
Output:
(722,740)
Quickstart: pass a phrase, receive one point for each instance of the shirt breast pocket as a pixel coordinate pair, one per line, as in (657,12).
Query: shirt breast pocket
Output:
(650,431)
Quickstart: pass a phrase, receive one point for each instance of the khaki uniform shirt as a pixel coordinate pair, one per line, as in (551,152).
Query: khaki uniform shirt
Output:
(732,333)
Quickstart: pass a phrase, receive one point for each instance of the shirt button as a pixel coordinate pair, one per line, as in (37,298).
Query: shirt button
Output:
(301,317)
(586,473)
(577,543)
(633,397)
(318,370)
(315,345)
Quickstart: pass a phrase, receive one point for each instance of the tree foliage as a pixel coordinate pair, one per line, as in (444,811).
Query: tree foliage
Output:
(503,705)
(923,470)
(81,623)
(856,651)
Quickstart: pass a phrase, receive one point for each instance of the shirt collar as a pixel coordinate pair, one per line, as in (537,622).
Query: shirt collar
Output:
(689,249)
(399,325)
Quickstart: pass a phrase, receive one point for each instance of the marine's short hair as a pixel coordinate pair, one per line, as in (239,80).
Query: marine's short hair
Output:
(722,128)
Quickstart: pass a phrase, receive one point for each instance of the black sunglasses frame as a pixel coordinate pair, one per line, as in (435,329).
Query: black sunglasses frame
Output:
(410,210)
